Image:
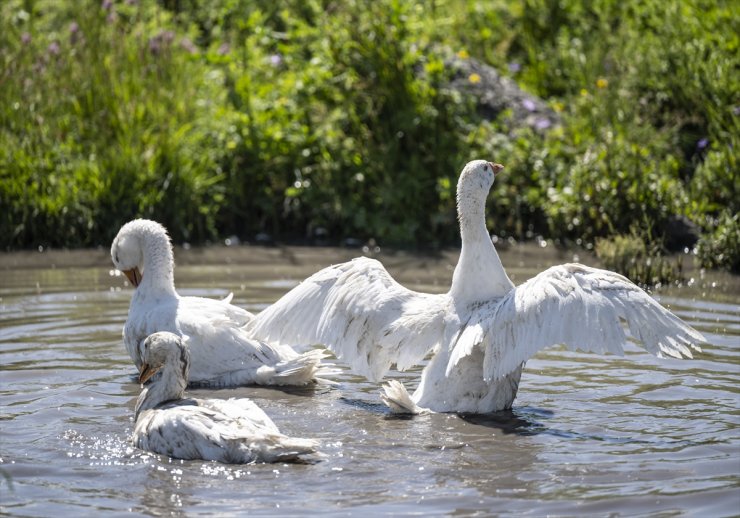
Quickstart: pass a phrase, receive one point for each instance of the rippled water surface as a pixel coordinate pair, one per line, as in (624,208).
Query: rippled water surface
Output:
(588,434)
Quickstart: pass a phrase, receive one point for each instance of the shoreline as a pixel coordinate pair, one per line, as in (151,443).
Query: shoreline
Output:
(215,254)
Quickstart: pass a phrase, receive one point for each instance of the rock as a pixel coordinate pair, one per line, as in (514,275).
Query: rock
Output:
(679,232)
(495,93)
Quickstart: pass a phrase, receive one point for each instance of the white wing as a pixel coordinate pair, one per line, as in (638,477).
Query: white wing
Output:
(232,431)
(212,309)
(575,305)
(364,316)
(183,430)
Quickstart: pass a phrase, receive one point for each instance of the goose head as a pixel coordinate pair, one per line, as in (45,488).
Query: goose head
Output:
(142,247)
(475,181)
(164,353)
(163,349)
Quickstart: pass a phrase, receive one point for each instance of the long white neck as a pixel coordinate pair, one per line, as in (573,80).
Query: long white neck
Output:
(158,274)
(479,274)
(167,385)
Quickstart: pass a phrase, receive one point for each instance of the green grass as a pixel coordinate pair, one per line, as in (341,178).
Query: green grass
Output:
(244,116)
(632,257)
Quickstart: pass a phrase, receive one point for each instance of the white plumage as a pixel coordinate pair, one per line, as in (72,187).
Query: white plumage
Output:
(233,431)
(222,351)
(482,331)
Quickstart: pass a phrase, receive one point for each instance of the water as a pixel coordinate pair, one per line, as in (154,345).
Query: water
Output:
(588,435)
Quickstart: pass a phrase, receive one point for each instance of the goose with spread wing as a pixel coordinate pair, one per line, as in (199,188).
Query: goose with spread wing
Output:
(481,331)
(234,431)
(222,351)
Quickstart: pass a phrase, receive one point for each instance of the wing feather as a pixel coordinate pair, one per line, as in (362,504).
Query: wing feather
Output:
(577,306)
(221,312)
(361,313)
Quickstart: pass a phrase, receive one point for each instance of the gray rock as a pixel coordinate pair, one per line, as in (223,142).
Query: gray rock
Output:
(495,93)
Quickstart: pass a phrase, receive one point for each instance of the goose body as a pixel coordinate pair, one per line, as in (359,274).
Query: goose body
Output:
(222,351)
(233,431)
(482,331)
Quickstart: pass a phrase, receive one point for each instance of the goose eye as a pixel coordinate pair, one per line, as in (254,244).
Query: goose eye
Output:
(485,168)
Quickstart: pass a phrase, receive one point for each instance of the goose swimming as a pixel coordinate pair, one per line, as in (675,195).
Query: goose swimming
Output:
(481,331)
(233,431)
(222,351)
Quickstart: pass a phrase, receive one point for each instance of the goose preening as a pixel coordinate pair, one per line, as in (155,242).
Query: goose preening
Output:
(234,431)
(481,331)
(222,351)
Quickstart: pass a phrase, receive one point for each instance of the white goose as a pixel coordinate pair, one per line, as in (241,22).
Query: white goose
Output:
(222,351)
(234,431)
(481,331)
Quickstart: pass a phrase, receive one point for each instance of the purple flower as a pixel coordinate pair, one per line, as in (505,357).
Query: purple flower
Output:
(514,67)
(276,60)
(132,2)
(106,5)
(702,143)
(25,38)
(736,110)
(74,32)
(53,48)
(160,40)
(542,123)
(111,18)
(224,49)
(529,105)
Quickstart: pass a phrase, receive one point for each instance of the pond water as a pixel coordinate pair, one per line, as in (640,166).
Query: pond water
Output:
(588,434)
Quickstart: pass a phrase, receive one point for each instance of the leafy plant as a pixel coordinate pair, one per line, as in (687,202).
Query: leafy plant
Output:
(302,118)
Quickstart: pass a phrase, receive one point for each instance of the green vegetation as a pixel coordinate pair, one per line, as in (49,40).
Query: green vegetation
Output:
(720,248)
(632,257)
(240,116)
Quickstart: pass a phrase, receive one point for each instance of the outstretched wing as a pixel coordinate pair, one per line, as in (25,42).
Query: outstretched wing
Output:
(577,306)
(358,311)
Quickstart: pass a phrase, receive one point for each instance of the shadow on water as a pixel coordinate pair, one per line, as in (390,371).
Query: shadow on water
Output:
(375,408)
(518,421)
(524,421)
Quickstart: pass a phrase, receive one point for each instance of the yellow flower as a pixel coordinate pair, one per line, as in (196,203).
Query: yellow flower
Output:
(558,107)
(584,92)
(474,78)
(601,83)
(463,54)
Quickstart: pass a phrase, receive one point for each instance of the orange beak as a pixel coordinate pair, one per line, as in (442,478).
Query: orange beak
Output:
(147,371)
(134,276)
(497,168)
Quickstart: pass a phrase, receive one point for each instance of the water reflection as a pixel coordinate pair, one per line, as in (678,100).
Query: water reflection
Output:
(166,491)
